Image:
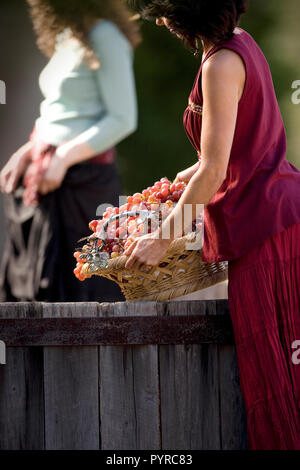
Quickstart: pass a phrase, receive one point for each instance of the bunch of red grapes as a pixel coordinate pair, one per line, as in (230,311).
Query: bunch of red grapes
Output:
(121,233)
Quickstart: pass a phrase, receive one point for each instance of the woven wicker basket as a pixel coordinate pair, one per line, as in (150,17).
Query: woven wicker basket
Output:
(180,272)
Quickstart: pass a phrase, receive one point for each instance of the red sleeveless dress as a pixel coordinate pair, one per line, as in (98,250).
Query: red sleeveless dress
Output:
(253,221)
(261,193)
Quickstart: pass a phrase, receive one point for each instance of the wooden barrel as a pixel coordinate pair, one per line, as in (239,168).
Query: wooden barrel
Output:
(135,376)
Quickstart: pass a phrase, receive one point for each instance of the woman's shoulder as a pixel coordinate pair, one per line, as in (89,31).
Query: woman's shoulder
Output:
(233,54)
(223,62)
(106,30)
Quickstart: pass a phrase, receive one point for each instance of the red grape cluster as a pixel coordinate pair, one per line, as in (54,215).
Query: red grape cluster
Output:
(122,231)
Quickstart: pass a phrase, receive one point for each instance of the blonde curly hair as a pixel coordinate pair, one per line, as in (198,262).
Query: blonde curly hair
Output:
(52,17)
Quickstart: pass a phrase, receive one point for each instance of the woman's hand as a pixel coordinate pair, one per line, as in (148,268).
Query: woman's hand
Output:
(185,175)
(66,155)
(15,168)
(54,175)
(146,250)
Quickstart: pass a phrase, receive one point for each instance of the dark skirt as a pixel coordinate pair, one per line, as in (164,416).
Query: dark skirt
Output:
(38,257)
(264,300)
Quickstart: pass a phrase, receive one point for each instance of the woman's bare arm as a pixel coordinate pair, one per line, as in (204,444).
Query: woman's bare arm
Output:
(223,82)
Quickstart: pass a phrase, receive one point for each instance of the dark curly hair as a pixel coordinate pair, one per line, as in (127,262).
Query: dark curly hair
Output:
(213,20)
(51,17)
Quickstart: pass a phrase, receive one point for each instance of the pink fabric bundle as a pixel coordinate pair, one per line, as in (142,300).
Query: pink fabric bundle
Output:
(41,155)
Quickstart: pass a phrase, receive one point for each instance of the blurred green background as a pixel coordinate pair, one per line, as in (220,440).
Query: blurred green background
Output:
(165,73)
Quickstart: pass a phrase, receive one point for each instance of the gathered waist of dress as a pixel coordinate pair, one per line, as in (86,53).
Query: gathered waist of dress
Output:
(195,108)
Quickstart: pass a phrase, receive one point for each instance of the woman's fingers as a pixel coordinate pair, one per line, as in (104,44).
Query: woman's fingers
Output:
(11,174)
(135,265)
(8,182)
(146,252)
(51,174)
(5,175)
(134,261)
(3,179)
(131,261)
(44,188)
(13,179)
(130,249)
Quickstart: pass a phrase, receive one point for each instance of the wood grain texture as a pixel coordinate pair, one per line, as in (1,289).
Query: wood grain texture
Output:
(127,396)
(232,412)
(71,389)
(189,388)
(129,392)
(91,331)
(21,391)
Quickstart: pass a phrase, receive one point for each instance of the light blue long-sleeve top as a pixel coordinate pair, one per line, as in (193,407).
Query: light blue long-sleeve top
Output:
(97,106)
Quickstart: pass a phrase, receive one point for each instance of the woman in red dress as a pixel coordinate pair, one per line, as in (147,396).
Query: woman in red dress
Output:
(251,195)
